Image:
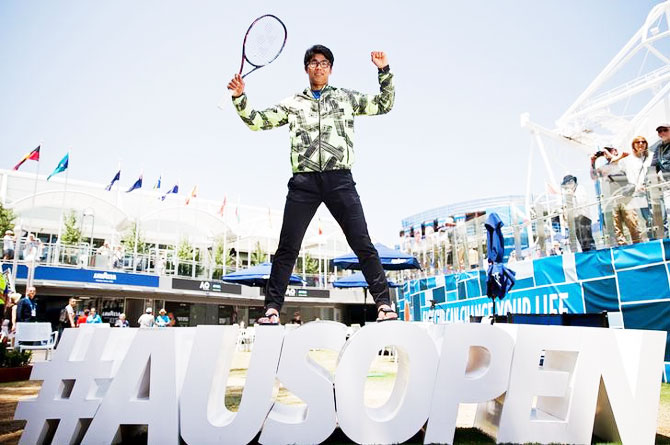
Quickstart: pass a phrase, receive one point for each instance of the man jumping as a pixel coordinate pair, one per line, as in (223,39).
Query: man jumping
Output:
(321,127)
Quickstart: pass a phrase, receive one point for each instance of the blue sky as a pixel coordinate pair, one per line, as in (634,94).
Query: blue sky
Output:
(139,83)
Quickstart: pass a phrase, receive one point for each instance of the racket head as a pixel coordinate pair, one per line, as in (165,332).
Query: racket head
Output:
(263,42)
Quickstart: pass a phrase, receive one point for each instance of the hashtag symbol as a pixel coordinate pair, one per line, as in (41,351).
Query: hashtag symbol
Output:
(70,393)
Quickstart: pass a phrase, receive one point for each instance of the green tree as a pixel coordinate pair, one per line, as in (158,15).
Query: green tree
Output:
(258,256)
(71,232)
(221,258)
(128,241)
(185,253)
(311,265)
(6,219)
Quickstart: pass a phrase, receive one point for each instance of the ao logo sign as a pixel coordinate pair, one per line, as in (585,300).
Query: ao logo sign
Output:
(204,285)
(174,381)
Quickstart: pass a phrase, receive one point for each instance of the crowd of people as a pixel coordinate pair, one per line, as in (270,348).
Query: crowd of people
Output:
(23,309)
(625,183)
(32,249)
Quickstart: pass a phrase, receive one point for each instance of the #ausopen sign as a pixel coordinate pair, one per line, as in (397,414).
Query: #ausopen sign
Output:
(174,381)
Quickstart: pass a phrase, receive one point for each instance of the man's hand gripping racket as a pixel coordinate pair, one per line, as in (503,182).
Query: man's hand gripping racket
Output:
(263,42)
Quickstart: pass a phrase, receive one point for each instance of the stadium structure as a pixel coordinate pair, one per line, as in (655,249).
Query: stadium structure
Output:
(149,248)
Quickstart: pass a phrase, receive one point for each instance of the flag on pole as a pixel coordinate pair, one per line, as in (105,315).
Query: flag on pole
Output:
(174,189)
(157,185)
(116,177)
(194,194)
(223,207)
(61,167)
(137,185)
(32,156)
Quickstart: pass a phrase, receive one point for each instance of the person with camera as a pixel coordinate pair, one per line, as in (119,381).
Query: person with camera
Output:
(618,192)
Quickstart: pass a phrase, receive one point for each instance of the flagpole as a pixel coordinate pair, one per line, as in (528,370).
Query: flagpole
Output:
(225,251)
(118,185)
(137,223)
(225,234)
(62,209)
(267,243)
(117,203)
(37,173)
(31,265)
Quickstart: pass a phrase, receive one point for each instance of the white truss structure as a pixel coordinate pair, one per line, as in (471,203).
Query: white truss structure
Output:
(630,96)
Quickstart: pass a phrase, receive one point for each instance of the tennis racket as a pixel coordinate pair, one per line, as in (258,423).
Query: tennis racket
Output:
(263,42)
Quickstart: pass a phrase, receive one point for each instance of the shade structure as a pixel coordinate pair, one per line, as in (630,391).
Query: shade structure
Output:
(391,259)
(357,280)
(256,276)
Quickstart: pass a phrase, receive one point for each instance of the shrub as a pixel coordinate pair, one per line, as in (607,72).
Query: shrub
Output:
(13,358)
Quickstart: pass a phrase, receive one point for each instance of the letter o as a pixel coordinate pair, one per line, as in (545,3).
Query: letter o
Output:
(407,409)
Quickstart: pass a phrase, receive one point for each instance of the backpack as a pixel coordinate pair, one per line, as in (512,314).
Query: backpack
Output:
(63,316)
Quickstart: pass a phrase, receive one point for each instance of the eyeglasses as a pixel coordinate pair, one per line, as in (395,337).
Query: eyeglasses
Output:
(642,142)
(663,130)
(323,64)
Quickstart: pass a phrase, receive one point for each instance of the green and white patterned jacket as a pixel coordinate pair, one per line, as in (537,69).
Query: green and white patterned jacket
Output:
(321,131)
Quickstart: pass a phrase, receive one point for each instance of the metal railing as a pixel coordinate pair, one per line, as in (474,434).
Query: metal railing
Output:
(164,262)
(552,225)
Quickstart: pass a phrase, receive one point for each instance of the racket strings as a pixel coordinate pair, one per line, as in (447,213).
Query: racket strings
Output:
(265,41)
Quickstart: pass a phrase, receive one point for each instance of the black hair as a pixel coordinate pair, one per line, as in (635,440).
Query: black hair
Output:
(319,49)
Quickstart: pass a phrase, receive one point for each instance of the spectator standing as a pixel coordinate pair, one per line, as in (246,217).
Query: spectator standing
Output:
(118,257)
(26,310)
(296,318)
(660,163)
(618,191)
(8,245)
(162,320)
(93,317)
(9,316)
(67,317)
(122,322)
(637,167)
(146,320)
(31,248)
(104,256)
(83,317)
(661,149)
(575,197)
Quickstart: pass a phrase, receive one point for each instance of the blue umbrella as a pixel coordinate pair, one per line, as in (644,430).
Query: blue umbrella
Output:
(499,279)
(357,280)
(256,276)
(391,259)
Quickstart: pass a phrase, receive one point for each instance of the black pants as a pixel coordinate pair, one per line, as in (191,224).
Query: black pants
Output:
(584,233)
(336,189)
